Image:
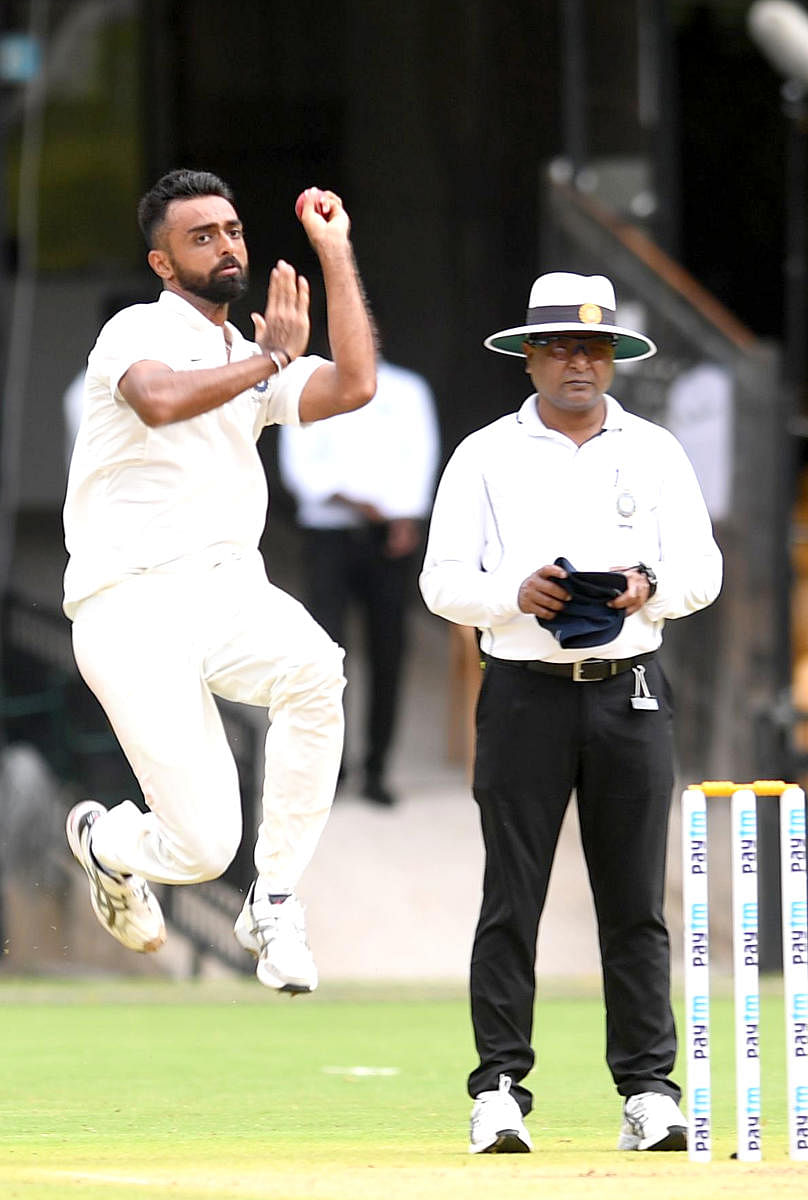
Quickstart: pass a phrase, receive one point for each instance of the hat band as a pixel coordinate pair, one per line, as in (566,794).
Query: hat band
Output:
(571,314)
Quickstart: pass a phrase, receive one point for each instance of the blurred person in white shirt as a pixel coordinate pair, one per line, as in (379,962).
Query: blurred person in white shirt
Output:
(363,484)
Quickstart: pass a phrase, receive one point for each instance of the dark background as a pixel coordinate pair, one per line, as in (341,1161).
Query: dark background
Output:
(436,123)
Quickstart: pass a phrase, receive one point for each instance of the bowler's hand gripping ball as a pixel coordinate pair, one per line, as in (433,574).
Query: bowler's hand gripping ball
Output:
(313,192)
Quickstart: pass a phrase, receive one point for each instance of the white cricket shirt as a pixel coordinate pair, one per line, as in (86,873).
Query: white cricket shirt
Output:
(516,495)
(139,497)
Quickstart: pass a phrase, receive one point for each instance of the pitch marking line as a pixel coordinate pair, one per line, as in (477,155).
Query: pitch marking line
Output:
(360,1072)
(97,1177)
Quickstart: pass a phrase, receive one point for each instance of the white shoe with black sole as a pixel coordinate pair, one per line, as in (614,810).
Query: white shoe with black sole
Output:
(496,1123)
(652,1121)
(274,932)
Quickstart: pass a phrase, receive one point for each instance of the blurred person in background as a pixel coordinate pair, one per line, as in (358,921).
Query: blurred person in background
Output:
(363,483)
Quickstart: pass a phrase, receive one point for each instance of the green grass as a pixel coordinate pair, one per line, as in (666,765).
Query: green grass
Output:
(216,1090)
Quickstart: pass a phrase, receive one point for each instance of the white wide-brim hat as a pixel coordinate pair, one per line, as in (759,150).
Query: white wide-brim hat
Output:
(565,303)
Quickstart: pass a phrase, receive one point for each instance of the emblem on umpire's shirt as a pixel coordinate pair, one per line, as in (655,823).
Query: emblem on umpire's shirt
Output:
(261,386)
(626,504)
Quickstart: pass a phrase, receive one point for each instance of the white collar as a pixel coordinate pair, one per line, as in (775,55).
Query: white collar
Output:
(190,313)
(528,417)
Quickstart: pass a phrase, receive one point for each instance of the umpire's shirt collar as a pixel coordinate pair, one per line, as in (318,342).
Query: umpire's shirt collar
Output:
(528,417)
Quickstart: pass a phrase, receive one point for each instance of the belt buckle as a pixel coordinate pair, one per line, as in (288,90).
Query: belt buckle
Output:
(580,670)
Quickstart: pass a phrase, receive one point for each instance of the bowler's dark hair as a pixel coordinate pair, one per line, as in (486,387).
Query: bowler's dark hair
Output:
(181,184)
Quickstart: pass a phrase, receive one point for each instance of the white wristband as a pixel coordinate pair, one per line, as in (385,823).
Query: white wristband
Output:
(276,360)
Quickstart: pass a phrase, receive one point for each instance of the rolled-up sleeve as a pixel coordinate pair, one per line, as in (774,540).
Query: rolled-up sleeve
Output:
(283,394)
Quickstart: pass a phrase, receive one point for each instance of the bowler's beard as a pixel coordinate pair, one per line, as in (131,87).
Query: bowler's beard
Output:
(215,287)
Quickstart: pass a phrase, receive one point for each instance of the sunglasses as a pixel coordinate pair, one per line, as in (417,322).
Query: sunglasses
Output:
(599,347)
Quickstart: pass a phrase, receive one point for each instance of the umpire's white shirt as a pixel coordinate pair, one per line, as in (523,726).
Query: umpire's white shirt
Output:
(139,497)
(516,495)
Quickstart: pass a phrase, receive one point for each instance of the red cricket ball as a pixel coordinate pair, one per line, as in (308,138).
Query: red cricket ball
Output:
(301,200)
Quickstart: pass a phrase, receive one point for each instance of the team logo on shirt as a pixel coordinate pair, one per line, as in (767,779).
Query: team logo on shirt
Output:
(261,386)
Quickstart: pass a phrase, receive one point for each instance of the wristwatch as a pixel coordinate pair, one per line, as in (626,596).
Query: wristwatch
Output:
(650,576)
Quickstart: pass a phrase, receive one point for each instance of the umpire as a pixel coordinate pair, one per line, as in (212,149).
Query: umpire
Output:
(568,533)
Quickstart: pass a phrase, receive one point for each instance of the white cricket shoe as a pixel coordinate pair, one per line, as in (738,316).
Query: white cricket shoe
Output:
(496,1123)
(124,904)
(652,1121)
(276,935)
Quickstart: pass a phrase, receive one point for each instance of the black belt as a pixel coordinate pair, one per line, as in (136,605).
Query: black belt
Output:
(588,670)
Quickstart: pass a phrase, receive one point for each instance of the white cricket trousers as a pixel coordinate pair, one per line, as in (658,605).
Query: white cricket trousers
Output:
(155,649)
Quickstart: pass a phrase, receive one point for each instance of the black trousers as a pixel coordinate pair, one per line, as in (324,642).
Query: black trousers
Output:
(349,566)
(538,738)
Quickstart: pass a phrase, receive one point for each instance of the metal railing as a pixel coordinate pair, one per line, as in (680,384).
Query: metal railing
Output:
(45,703)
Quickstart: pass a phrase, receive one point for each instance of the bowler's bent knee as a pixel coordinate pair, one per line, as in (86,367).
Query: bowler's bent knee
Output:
(207,855)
